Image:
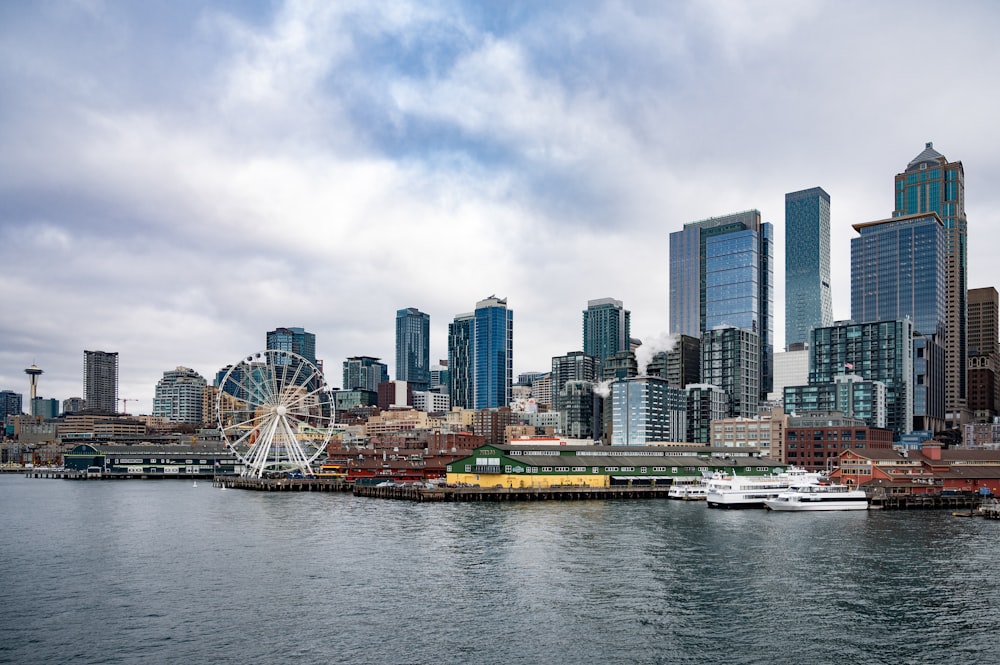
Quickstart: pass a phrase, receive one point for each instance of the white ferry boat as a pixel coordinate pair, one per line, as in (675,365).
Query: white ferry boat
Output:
(753,491)
(688,491)
(819,497)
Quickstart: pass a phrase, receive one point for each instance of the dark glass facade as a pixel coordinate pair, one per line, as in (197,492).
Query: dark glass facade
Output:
(808,300)
(413,351)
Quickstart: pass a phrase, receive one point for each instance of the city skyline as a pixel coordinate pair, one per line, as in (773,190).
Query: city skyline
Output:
(178,180)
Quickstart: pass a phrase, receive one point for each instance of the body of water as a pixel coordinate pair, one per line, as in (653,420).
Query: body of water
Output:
(165,572)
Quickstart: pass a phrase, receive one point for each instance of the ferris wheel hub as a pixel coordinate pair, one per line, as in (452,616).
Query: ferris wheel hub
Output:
(280,410)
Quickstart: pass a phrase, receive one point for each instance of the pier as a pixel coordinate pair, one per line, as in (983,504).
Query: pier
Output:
(501,494)
(283,484)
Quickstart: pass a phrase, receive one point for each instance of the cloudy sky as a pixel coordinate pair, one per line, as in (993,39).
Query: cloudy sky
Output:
(177,178)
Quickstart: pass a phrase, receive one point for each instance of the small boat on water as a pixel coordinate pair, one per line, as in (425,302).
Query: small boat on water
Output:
(819,497)
(688,491)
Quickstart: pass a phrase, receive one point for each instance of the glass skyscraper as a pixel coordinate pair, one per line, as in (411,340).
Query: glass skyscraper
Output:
(606,329)
(296,340)
(364,372)
(808,301)
(931,183)
(493,353)
(721,275)
(413,352)
(481,355)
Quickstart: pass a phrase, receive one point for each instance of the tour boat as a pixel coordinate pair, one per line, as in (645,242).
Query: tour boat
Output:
(819,497)
(752,491)
(688,491)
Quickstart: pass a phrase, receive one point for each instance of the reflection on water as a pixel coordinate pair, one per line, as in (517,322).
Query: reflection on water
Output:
(159,571)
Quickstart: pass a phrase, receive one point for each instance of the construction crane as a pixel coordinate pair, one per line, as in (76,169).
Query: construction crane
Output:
(125,401)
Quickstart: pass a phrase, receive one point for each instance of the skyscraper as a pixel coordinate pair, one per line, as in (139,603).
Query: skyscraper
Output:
(606,329)
(413,354)
(365,373)
(897,272)
(721,275)
(729,359)
(931,183)
(100,380)
(481,355)
(808,301)
(493,353)
(646,409)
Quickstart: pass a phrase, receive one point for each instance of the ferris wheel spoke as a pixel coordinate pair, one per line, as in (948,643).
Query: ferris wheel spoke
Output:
(300,397)
(254,419)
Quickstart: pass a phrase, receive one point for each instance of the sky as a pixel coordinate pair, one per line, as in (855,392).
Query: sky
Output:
(179,177)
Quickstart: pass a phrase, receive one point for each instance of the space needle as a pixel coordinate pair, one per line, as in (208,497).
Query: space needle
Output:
(33,373)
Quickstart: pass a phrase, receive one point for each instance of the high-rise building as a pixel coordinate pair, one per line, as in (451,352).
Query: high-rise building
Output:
(493,353)
(729,358)
(932,184)
(984,354)
(296,340)
(705,403)
(721,275)
(579,410)
(606,329)
(179,396)
(646,409)
(791,368)
(100,380)
(364,373)
(681,365)
(481,356)
(460,334)
(574,366)
(413,354)
(10,404)
(898,271)
(877,351)
(808,301)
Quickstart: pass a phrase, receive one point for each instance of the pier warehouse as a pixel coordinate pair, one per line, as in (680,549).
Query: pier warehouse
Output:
(600,466)
(165,461)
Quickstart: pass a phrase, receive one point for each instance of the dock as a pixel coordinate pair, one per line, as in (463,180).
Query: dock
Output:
(502,494)
(283,484)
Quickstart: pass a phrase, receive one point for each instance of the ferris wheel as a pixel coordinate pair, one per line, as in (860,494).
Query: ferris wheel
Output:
(276,413)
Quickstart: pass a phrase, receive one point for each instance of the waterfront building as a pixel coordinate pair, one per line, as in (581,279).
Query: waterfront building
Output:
(762,432)
(808,301)
(574,366)
(606,330)
(295,340)
(791,368)
(10,404)
(579,410)
(815,441)
(849,394)
(413,344)
(983,391)
(365,373)
(705,404)
(877,351)
(898,271)
(646,409)
(721,275)
(932,184)
(100,381)
(179,396)
(729,360)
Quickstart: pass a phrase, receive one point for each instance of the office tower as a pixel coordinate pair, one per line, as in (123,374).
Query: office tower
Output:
(646,409)
(876,351)
(179,396)
(439,376)
(574,366)
(100,381)
(413,354)
(46,409)
(929,184)
(898,271)
(721,275)
(681,365)
(460,334)
(849,394)
(808,301)
(296,340)
(606,329)
(73,404)
(791,368)
(364,373)
(984,353)
(729,358)
(493,353)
